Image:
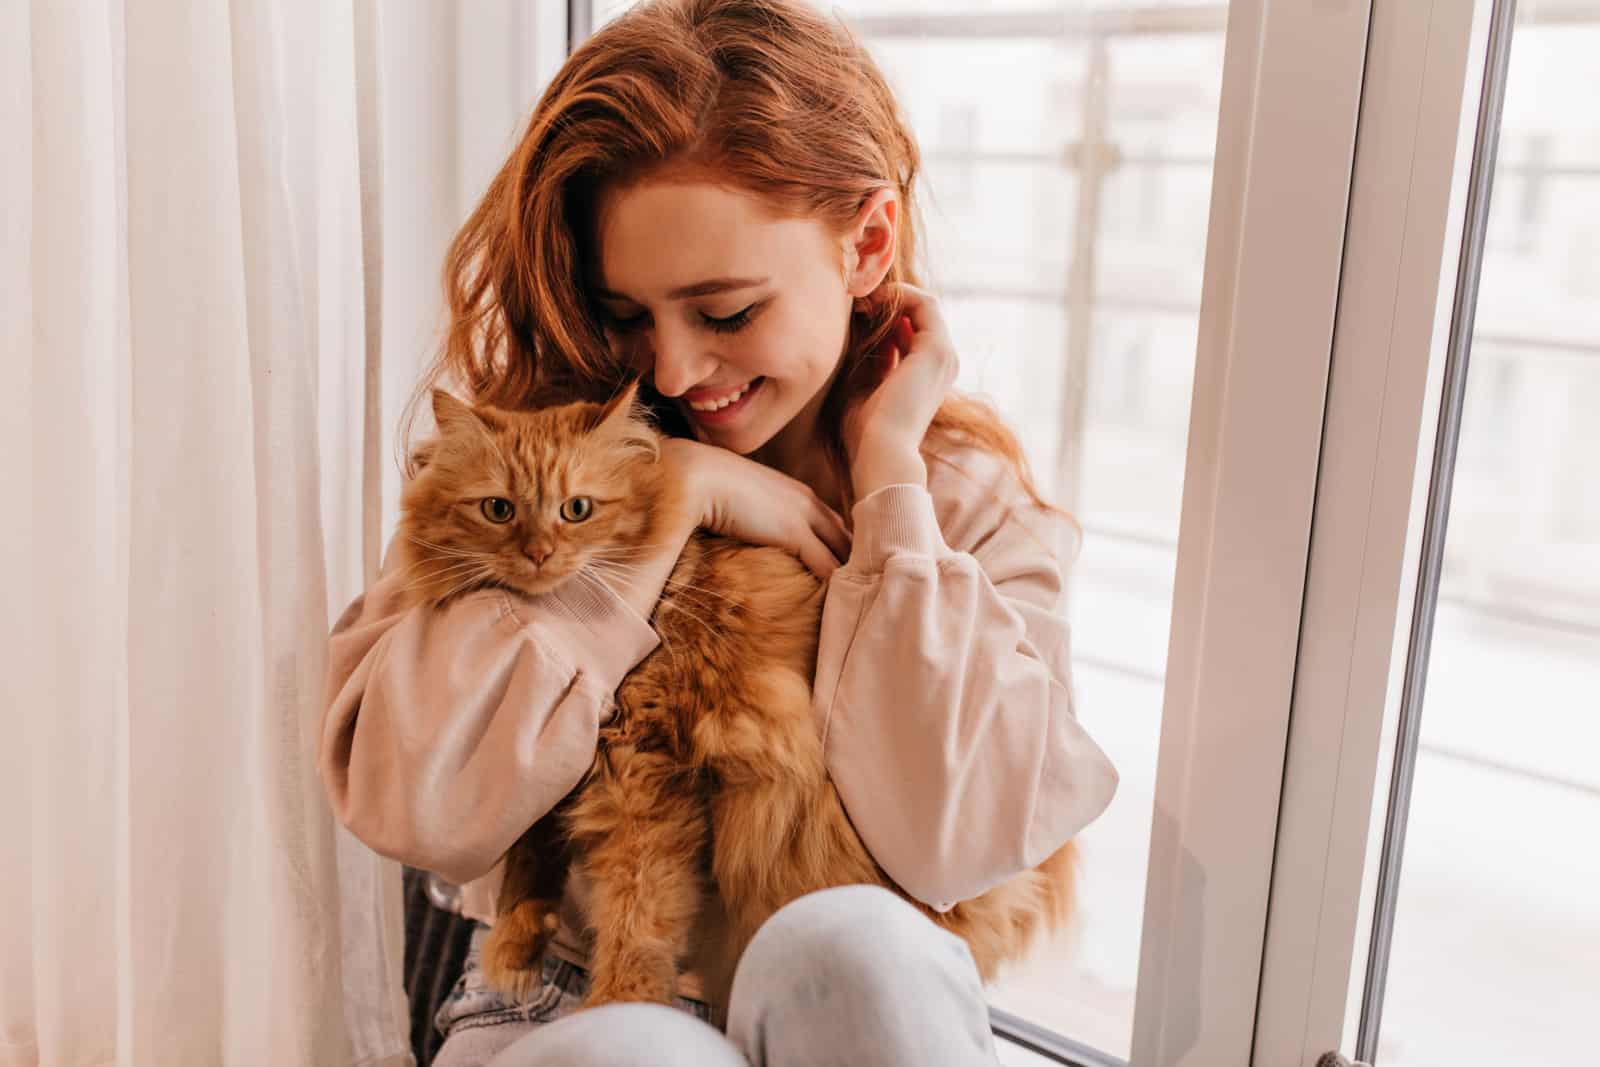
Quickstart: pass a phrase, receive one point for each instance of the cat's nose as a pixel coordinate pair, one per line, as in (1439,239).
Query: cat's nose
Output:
(537,553)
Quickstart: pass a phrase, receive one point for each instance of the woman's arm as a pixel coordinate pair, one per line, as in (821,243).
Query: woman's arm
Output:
(942,692)
(448,731)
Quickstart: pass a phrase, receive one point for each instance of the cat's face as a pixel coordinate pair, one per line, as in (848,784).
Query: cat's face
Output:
(529,500)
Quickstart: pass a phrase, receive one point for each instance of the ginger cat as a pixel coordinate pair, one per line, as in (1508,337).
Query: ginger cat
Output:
(708,806)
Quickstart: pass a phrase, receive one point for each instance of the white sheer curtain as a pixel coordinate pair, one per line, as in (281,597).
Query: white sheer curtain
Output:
(191,454)
(206,349)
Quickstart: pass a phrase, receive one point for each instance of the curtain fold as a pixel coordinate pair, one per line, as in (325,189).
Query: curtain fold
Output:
(190,216)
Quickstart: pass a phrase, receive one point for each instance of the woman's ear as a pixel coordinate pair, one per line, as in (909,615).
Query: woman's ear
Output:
(870,242)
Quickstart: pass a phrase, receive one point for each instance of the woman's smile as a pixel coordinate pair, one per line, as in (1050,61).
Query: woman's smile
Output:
(720,407)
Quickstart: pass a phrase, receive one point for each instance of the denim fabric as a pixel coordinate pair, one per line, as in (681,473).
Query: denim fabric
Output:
(848,976)
(474,1005)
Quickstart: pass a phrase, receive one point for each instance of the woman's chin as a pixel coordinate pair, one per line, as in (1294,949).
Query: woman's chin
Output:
(743,439)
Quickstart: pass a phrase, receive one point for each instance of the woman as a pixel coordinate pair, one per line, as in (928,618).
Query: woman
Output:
(719,195)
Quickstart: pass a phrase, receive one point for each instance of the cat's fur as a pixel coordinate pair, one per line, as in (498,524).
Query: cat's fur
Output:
(708,806)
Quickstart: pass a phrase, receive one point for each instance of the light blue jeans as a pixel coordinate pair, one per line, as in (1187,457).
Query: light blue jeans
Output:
(853,975)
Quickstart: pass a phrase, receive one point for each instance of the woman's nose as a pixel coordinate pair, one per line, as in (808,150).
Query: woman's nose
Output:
(680,363)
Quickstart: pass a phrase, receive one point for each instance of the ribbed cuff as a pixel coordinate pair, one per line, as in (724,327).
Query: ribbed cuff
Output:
(891,521)
(603,635)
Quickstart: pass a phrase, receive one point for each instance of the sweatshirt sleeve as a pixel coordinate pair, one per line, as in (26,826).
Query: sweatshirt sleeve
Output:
(943,696)
(447,732)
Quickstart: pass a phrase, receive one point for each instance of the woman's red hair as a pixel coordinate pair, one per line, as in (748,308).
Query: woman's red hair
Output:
(772,97)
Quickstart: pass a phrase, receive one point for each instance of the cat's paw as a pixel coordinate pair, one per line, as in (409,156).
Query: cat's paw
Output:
(521,985)
(513,953)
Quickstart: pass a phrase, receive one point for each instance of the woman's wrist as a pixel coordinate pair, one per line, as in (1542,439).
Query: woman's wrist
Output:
(881,464)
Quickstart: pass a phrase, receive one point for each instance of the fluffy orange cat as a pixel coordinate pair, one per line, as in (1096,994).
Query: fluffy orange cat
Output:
(708,806)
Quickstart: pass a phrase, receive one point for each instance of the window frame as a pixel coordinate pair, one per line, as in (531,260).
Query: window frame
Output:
(1403,217)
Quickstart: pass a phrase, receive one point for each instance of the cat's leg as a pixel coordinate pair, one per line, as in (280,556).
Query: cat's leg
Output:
(528,907)
(640,830)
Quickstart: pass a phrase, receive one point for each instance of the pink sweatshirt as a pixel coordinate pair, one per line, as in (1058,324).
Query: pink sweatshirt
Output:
(942,695)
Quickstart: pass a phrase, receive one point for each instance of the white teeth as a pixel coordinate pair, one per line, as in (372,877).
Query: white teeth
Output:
(721,402)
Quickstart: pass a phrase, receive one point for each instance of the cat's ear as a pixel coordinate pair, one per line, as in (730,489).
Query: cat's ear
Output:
(623,405)
(625,422)
(453,415)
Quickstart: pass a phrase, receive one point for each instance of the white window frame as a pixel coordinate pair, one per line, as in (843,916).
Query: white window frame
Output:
(1291,93)
(1398,224)
(1413,214)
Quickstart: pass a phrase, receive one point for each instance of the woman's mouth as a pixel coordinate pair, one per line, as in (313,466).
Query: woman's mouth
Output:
(718,408)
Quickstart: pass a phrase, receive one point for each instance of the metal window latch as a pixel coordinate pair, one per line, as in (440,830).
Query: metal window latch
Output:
(1333,1059)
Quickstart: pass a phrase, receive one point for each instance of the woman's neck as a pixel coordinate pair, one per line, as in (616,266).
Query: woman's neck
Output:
(797,451)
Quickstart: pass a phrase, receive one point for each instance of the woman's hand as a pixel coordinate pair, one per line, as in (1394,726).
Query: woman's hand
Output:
(742,499)
(883,431)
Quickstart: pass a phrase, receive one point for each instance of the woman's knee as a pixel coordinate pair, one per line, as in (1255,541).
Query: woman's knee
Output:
(859,938)
(623,1035)
(854,974)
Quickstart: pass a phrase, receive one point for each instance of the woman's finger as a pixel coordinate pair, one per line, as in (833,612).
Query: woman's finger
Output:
(903,333)
(921,308)
(816,556)
(830,528)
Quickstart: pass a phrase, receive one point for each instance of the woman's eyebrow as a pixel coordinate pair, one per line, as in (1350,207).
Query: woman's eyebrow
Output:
(705,288)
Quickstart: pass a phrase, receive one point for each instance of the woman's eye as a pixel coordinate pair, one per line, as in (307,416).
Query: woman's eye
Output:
(731,323)
(497,509)
(630,324)
(577,509)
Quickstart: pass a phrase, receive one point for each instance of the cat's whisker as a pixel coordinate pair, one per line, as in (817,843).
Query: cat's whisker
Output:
(483,574)
(609,561)
(416,565)
(619,563)
(439,570)
(609,565)
(447,550)
(585,574)
(632,561)
(459,574)
(634,551)
(678,606)
(594,578)
(628,574)
(695,587)
(428,581)
(596,575)
(590,576)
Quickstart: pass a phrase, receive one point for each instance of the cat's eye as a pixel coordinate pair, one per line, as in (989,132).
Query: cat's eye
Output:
(577,509)
(497,509)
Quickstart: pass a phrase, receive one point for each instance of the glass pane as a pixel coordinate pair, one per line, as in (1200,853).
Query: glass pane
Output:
(1496,951)
(1067,176)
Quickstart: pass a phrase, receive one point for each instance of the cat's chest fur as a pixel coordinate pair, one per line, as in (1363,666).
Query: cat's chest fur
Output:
(729,617)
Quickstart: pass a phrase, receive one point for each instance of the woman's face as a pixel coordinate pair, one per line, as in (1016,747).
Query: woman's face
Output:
(737,313)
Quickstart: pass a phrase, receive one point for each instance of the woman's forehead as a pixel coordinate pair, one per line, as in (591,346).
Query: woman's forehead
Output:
(659,238)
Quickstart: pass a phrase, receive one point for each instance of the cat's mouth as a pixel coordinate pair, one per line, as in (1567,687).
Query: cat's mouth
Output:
(543,580)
